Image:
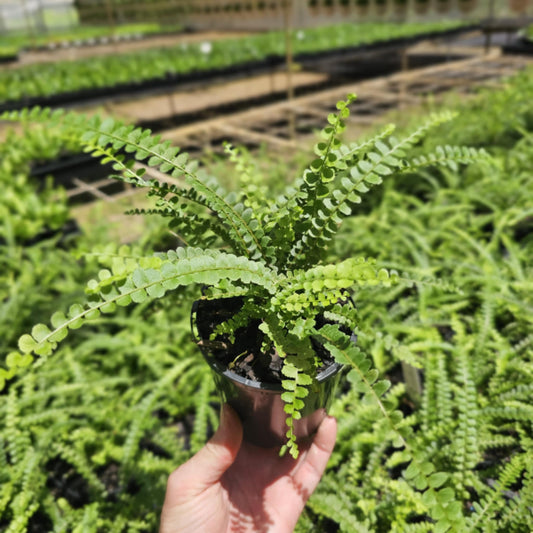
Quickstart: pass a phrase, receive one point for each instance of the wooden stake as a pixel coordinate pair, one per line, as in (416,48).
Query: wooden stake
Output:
(287,22)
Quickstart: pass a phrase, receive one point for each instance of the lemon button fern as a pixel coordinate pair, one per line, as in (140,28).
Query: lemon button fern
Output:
(270,253)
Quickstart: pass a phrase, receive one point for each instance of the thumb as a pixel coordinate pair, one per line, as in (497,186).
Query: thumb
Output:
(209,464)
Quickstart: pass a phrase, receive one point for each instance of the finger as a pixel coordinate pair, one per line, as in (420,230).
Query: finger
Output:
(310,471)
(209,464)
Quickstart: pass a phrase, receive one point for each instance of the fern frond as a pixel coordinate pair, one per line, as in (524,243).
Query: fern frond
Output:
(322,169)
(343,314)
(523,392)
(490,441)
(485,322)
(252,189)
(445,156)
(337,198)
(439,499)
(512,410)
(17,441)
(330,506)
(347,152)
(374,467)
(243,227)
(201,415)
(151,279)
(298,367)
(286,221)
(361,375)
(325,286)
(181,205)
(241,318)
(490,505)
(144,412)
(88,522)
(297,370)
(436,399)
(22,515)
(522,513)
(79,461)
(465,445)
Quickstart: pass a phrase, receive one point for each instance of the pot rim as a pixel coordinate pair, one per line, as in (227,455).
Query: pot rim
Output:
(264,386)
(268,387)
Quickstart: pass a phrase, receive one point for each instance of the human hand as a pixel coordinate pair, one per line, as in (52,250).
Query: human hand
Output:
(231,486)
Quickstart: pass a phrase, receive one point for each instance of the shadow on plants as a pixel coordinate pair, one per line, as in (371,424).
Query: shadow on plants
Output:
(65,482)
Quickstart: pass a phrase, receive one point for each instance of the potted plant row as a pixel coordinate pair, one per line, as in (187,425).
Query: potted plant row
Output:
(274,314)
(55,84)
(8,54)
(91,80)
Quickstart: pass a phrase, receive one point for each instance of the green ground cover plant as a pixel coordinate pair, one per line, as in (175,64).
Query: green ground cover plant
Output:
(55,78)
(152,404)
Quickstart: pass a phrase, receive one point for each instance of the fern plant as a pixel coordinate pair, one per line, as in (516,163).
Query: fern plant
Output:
(271,254)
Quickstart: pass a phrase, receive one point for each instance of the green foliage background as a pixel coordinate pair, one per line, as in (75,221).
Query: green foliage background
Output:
(88,437)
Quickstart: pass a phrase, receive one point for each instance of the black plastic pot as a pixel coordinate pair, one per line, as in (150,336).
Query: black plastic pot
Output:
(259,404)
(519,46)
(9,58)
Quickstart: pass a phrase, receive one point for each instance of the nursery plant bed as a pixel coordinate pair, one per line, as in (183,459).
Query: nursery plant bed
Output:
(69,230)
(473,423)
(46,55)
(268,124)
(63,235)
(177,108)
(374,97)
(68,166)
(398,43)
(355,66)
(186,107)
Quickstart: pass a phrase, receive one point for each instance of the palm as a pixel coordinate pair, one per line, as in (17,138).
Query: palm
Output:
(234,487)
(265,492)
